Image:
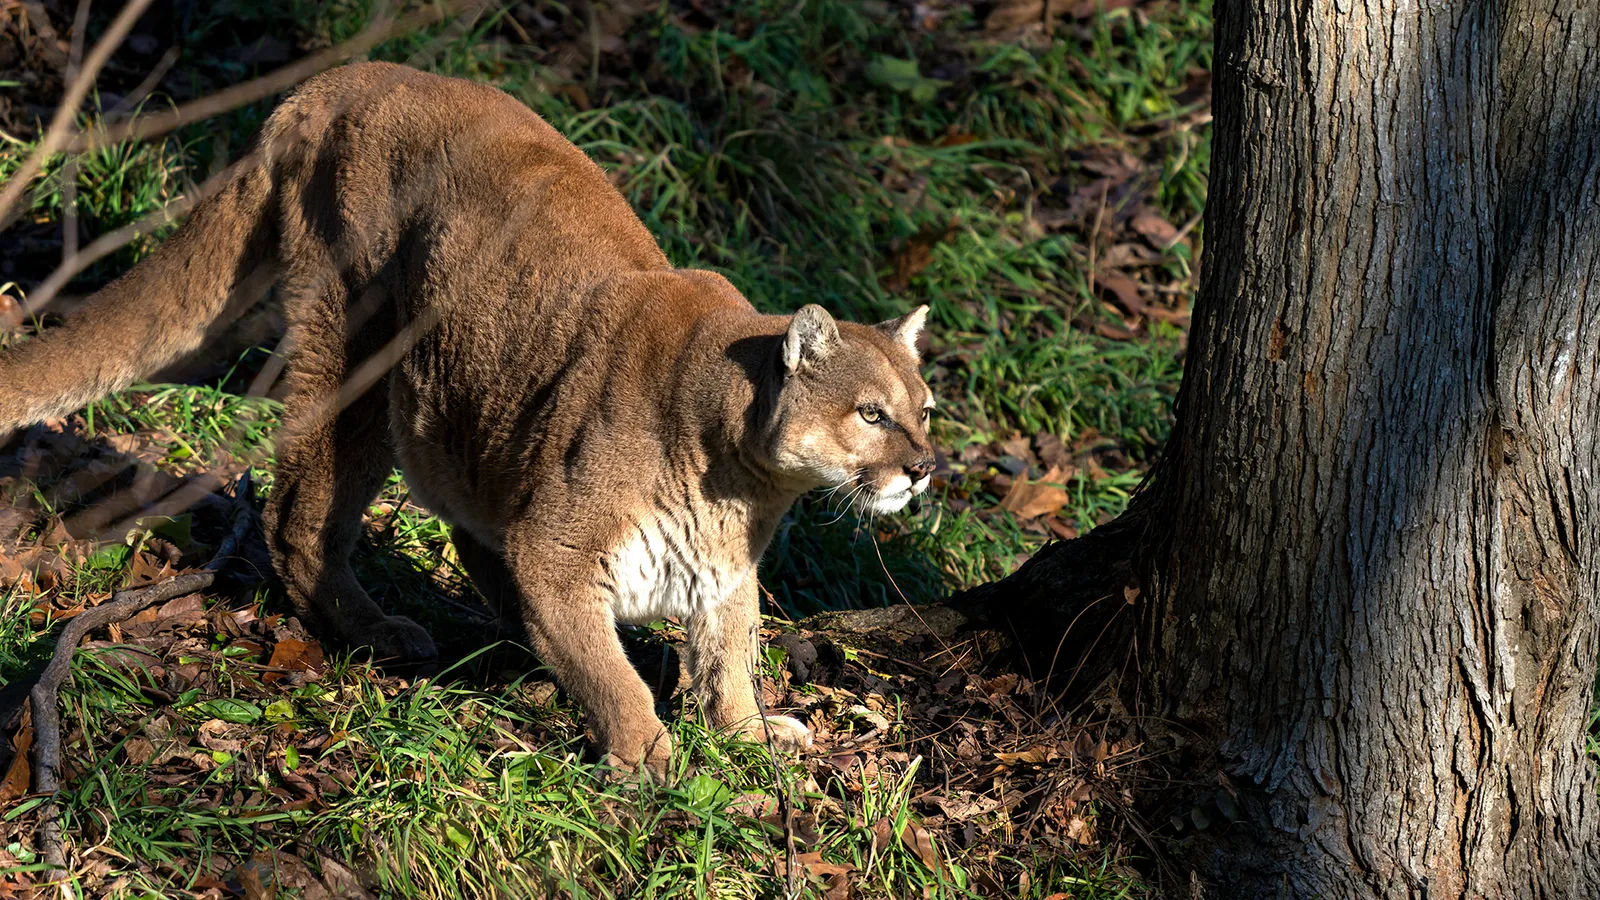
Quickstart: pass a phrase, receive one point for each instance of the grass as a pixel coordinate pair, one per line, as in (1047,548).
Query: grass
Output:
(823,152)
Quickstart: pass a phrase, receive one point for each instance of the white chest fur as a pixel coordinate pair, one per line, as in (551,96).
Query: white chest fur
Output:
(661,571)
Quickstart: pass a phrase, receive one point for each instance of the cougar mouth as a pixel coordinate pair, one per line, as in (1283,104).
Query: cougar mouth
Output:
(893,497)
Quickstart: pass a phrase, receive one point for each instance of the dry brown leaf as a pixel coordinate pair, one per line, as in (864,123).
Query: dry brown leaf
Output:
(1009,16)
(1051,451)
(56,536)
(138,750)
(882,832)
(1124,291)
(968,806)
(919,841)
(753,805)
(146,569)
(183,608)
(816,867)
(915,255)
(11,571)
(304,656)
(1031,499)
(1160,233)
(1060,529)
(1087,8)
(218,735)
(20,776)
(1031,756)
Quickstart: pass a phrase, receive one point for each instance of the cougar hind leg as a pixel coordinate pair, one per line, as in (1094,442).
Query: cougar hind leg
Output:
(331,464)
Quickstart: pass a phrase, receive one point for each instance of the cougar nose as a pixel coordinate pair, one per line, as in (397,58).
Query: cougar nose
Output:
(920,469)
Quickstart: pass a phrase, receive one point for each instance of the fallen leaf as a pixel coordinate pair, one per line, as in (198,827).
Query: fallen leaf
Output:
(817,867)
(1060,529)
(1017,446)
(56,536)
(1031,499)
(215,734)
(304,656)
(138,750)
(753,805)
(998,686)
(917,839)
(342,882)
(20,776)
(183,608)
(1051,451)
(1088,8)
(1160,233)
(1031,756)
(1124,291)
(915,255)
(961,809)
(882,832)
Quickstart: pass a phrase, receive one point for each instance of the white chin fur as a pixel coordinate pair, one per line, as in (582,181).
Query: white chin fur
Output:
(895,496)
(883,504)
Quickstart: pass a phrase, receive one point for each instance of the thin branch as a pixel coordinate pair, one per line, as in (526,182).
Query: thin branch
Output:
(45,698)
(134,98)
(245,93)
(40,298)
(69,174)
(792,879)
(57,135)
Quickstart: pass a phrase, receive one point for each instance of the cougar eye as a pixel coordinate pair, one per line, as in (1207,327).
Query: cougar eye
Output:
(926,412)
(871,414)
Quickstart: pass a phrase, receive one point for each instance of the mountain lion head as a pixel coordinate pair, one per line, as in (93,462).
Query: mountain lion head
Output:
(852,411)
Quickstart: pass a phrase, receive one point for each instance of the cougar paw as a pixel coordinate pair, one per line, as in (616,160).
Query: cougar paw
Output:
(397,639)
(787,734)
(649,762)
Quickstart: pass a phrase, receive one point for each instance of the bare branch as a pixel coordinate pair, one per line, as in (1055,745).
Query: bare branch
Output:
(244,93)
(45,697)
(57,135)
(40,298)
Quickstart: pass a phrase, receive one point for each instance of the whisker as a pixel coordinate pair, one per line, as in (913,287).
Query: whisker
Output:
(848,501)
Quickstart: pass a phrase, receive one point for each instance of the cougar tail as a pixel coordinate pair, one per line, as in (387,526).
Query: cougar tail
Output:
(220,261)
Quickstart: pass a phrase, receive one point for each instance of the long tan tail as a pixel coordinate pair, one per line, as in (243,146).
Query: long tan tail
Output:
(221,260)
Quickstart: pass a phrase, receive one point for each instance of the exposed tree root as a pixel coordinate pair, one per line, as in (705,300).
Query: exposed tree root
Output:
(1070,609)
(46,692)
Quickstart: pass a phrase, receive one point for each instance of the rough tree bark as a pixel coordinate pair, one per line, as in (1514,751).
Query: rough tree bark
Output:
(1368,562)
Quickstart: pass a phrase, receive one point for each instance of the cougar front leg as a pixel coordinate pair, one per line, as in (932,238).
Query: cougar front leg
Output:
(572,630)
(723,642)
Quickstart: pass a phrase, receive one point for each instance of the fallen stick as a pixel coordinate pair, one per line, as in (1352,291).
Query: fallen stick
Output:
(45,698)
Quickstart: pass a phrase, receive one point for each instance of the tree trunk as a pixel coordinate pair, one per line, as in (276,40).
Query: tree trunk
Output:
(1368,558)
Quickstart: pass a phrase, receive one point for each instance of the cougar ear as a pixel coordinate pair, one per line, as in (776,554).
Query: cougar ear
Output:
(906,328)
(812,335)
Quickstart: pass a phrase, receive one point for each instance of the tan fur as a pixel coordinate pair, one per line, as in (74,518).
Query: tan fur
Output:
(470,299)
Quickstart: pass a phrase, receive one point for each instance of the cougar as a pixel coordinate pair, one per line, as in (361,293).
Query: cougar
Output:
(611,439)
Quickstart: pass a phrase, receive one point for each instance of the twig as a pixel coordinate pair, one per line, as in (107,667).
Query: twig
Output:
(791,862)
(56,136)
(244,93)
(45,292)
(137,95)
(69,173)
(46,693)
